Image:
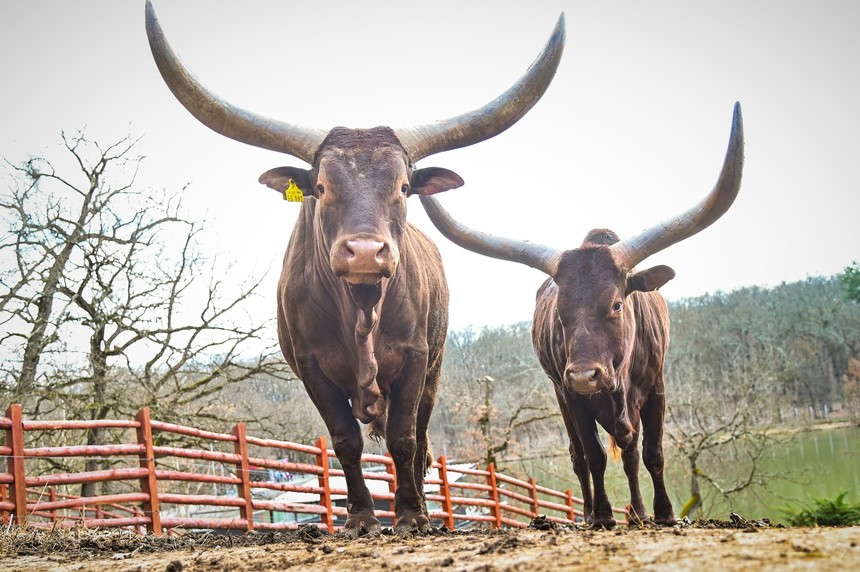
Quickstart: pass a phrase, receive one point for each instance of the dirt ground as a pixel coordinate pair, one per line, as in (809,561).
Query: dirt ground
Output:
(704,545)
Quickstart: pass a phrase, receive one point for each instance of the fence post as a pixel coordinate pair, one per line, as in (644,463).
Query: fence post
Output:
(534,495)
(496,510)
(571,514)
(325,495)
(241,448)
(4,497)
(445,490)
(52,496)
(15,462)
(392,486)
(149,483)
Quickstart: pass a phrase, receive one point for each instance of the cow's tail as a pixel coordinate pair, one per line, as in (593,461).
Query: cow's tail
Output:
(376,431)
(376,428)
(614,449)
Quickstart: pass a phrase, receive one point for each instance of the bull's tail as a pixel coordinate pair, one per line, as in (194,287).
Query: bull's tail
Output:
(376,428)
(614,449)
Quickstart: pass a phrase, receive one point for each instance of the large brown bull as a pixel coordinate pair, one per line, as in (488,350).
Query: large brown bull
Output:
(362,299)
(601,331)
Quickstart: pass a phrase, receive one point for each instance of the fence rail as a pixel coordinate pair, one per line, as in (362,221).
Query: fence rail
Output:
(153,499)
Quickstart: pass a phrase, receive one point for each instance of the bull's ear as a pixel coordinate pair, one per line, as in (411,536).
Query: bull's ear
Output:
(279,179)
(434,180)
(650,279)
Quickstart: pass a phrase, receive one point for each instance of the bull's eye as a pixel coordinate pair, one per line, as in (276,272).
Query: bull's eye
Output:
(405,188)
(320,189)
(616,307)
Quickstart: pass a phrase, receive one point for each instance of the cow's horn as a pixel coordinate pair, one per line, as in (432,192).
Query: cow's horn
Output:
(634,250)
(219,115)
(538,256)
(470,128)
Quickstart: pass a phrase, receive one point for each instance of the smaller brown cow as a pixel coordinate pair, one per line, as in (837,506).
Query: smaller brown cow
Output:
(601,331)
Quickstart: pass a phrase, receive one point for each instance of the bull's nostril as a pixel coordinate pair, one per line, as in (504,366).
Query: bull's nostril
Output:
(581,376)
(382,253)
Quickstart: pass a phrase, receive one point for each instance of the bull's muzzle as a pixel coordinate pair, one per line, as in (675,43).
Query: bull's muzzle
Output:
(363,260)
(587,378)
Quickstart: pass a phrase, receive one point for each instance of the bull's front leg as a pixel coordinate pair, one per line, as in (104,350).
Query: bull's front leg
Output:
(577,457)
(400,438)
(630,458)
(423,451)
(348,445)
(653,413)
(595,454)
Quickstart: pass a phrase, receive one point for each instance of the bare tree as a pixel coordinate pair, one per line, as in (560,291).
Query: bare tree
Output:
(705,440)
(495,400)
(112,304)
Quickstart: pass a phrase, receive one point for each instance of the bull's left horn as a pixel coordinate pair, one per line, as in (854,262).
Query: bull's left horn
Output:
(544,258)
(476,126)
(220,116)
(634,250)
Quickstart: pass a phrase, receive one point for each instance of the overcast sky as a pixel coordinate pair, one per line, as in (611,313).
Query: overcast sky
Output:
(632,130)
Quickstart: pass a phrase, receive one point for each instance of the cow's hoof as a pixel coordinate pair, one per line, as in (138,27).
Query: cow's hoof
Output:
(603,523)
(361,526)
(669,520)
(410,525)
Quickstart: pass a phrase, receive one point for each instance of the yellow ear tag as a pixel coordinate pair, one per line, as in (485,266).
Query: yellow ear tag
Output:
(293,193)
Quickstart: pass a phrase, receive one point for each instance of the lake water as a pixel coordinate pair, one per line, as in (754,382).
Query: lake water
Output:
(819,463)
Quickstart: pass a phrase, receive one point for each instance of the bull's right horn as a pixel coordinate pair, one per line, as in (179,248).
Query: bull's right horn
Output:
(469,128)
(631,251)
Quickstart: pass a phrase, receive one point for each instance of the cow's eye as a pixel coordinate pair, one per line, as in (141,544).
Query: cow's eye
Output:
(405,188)
(616,307)
(320,189)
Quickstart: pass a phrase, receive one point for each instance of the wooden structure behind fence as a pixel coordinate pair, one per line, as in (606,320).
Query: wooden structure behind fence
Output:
(148,505)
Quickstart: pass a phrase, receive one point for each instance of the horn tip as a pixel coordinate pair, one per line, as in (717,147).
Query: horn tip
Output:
(560,27)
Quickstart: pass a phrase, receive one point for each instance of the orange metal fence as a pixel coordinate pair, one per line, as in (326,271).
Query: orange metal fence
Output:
(458,493)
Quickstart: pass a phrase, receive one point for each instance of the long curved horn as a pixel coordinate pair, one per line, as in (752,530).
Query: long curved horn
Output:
(538,256)
(476,126)
(221,116)
(634,250)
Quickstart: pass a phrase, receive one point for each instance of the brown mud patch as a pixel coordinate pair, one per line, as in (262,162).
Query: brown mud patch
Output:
(737,544)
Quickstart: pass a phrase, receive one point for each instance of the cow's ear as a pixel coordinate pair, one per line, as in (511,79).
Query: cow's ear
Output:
(432,180)
(650,279)
(279,179)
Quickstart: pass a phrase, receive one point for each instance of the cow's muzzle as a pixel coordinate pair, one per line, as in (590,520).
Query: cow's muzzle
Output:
(587,378)
(364,260)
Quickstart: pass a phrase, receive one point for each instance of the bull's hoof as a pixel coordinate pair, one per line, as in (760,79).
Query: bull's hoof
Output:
(603,522)
(411,525)
(666,520)
(361,526)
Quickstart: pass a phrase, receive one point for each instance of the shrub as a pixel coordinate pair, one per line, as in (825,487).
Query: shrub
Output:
(824,512)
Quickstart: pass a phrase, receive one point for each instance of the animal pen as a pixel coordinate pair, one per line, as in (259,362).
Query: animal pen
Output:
(158,488)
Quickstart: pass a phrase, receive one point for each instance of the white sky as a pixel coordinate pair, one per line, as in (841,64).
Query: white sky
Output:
(633,129)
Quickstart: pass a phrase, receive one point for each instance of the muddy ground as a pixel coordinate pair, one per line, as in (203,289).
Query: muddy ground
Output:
(737,544)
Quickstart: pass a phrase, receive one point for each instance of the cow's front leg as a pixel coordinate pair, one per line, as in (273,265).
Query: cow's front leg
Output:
(595,454)
(653,414)
(400,437)
(577,457)
(423,451)
(348,445)
(630,458)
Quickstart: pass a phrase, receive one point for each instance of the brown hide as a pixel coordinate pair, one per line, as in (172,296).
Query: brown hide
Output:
(362,299)
(603,344)
(601,333)
(364,327)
